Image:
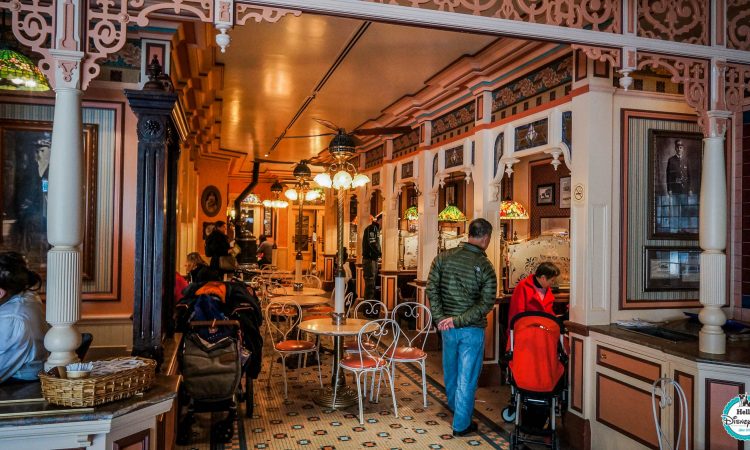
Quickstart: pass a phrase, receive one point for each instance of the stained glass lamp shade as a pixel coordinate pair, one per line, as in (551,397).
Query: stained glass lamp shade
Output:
(451,214)
(17,72)
(511,210)
(411,213)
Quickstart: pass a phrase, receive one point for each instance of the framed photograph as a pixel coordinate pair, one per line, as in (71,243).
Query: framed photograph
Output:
(672,269)
(545,194)
(565,192)
(211,201)
(675,161)
(25,150)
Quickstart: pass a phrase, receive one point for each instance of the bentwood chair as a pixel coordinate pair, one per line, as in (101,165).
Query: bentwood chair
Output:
(311,281)
(371,360)
(411,347)
(284,343)
(366,309)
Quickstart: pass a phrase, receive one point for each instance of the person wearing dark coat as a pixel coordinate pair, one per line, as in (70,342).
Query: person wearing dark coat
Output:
(217,244)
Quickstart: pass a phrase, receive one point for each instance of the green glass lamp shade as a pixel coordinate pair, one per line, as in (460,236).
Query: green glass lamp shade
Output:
(17,72)
(510,209)
(411,213)
(451,214)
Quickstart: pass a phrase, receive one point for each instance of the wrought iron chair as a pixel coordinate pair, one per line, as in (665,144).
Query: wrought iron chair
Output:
(383,333)
(411,347)
(366,309)
(283,344)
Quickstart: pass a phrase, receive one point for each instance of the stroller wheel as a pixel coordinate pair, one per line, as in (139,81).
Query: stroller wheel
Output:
(509,414)
(223,431)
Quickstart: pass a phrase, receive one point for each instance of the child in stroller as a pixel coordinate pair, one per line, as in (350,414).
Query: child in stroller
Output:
(537,362)
(220,323)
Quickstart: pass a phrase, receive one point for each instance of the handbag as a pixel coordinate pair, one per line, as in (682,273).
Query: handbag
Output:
(228,263)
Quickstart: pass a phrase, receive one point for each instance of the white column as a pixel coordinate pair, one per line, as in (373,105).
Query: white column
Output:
(64,229)
(713,239)
(593,231)
(389,232)
(427,206)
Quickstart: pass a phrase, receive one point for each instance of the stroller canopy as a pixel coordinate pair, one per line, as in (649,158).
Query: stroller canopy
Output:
(537,354)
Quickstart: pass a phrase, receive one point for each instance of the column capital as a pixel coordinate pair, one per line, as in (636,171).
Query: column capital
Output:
(717,123)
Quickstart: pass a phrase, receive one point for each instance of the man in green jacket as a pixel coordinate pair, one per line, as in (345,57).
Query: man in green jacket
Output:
(461,288)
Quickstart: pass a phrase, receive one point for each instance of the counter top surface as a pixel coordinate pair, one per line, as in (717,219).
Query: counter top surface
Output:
(21,404)
(738,353)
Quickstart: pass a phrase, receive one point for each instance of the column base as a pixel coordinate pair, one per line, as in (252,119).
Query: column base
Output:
(712,342)
(345,397)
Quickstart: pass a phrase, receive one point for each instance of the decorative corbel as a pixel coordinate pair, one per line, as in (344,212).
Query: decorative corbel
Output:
(509,165)
(223,19)
(629,64)
(555,153)
(467,171)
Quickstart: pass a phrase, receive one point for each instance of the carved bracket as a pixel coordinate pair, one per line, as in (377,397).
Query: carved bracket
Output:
(694,74)
(259,14)
(737,82)
(605,54)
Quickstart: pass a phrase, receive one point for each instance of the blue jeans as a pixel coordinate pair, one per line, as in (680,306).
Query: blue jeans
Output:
(463,349)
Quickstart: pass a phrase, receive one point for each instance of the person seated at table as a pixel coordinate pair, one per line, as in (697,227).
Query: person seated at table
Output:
(198,270)
(265,250)
(22,324)
(534,293)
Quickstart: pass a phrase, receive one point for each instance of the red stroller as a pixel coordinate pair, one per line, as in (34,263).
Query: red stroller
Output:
(537,377)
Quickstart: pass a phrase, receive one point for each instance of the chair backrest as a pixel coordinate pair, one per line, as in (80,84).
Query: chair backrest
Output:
(422,320)
(311,281)
(368,309)
(292,313)
(383,334)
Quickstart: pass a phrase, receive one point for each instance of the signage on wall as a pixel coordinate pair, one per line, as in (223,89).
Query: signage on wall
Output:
(736,417)
(578,192)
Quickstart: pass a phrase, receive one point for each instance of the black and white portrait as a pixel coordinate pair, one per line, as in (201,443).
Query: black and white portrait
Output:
(674,188)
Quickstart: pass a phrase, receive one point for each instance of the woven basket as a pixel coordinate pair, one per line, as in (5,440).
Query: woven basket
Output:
(99,389)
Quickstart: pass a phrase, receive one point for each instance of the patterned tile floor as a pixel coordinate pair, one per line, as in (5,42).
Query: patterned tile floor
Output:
(298,422)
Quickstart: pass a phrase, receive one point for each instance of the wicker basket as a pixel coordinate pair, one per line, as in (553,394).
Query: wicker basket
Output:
(99,389)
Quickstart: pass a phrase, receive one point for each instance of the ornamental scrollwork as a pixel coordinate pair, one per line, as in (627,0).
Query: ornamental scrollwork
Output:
(674,20)
(597,15)
(692,73)
(261,13)
(605,54)
(738,27)
(737,82)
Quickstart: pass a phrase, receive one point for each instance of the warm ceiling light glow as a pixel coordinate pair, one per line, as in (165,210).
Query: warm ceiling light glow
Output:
(291,194)
(267,203)
(323,179)
(312,195)
(342,180)
(360,180)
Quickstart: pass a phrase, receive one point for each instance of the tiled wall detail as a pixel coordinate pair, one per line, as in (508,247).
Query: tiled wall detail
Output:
(375,156)
(406,143)
(458,121)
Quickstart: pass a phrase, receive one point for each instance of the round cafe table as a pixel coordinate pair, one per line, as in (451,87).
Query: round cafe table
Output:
(302,300)
(345,396)
(305,291)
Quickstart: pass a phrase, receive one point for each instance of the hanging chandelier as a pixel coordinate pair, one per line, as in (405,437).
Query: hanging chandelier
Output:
(341,174)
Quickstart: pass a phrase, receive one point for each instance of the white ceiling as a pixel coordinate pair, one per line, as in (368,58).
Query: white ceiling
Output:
(271,69)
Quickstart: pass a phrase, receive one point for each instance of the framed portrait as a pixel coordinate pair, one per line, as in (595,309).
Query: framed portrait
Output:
(545,194)
(672,269)
(25,150)
(211,201)
(675,163)
(565,192)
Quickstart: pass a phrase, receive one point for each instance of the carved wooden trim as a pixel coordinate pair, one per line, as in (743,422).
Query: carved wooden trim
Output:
(604,15)
(694,74)
(674,20)
(259,14)
(738,25)
(606,54)
(737,81)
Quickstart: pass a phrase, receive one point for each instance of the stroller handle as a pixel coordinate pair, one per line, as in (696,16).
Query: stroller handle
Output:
(214,323)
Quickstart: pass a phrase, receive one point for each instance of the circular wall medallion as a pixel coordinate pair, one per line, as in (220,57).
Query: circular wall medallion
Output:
(578,192)
(211,201)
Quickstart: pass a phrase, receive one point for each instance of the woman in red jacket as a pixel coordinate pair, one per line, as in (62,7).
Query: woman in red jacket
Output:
(534,292)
